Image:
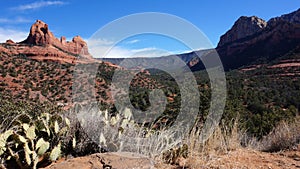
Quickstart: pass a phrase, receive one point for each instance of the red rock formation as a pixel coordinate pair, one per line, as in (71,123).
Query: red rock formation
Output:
(9,41)
(42,36)
(63,40)
(39,34)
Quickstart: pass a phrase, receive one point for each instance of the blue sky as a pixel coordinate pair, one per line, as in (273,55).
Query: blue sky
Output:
(71,17)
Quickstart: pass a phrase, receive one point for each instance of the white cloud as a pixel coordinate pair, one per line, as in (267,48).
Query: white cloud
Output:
(103,48)
(36,5)
(142,50)
(132,41)
(186,51)
(12,34)
(14,20)
(100,42)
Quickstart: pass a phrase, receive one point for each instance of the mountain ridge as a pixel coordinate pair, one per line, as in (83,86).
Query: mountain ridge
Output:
(251,39)
(279,36)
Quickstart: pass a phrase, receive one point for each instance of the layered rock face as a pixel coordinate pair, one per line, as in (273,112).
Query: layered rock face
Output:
(76,46)
(243,27)
(247,26)
(41,35)
(251,39)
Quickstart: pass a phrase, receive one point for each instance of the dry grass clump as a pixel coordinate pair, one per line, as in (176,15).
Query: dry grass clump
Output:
(226,141)
(223,139)
(285,136)
(196,154)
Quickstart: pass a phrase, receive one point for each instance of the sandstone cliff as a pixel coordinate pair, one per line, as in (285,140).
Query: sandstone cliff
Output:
(41,35)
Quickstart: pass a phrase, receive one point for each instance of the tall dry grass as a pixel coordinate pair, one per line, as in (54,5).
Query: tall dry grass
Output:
(226,138)
(195,154)
(285,136)
(223,139)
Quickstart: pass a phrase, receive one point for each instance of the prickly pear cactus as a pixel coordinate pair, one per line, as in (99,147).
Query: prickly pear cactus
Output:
(41,146)
(3,140)
(35,141)
(55,153)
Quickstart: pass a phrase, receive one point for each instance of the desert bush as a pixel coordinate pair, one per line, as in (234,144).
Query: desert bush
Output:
(119,132)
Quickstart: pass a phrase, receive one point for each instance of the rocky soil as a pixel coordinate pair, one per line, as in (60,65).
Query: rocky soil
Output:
(240,158)
(106,161)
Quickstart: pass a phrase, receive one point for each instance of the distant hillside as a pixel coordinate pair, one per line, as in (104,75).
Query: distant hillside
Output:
(186,58)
